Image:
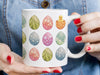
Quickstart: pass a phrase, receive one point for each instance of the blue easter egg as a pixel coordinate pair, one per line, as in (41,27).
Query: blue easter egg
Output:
(60,53)
(34,38)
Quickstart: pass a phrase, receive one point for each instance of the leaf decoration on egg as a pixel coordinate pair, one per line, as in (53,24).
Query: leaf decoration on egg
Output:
(24,37)
(47,54)
(34,22)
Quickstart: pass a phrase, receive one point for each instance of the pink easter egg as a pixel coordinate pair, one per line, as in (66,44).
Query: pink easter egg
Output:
(34,54)
(47,39)
(47,23)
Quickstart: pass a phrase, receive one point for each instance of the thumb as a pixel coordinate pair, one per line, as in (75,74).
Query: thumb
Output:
(5,54)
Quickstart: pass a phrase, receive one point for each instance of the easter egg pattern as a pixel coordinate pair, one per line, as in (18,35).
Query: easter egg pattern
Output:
(47,23)
(34,38)
(34,54)
(23,21)
(34,22)
(47,39)
(60,53)
(47,54)
(24,37)
(60,38)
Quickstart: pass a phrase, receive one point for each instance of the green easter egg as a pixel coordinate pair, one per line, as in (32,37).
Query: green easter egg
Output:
(47,54)
(24,53)
(60,38)
(23,21)
(34,22)
(23,37)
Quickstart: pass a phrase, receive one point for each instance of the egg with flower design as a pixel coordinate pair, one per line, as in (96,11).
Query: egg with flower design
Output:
(60,38)
(47,39)
(34,22)
(34,38)
(34,54)
(60,53)
(47,23)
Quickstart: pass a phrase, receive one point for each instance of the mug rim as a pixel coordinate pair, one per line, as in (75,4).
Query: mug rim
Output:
(45,9)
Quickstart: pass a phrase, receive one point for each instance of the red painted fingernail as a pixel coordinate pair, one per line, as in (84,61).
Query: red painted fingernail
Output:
(79,30)
(77,21)
(9,59)
(45,72)
(56,71)
(88,48)
(78,38)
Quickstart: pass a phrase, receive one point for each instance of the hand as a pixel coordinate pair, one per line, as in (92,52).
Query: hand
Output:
(12,64)
(89,22)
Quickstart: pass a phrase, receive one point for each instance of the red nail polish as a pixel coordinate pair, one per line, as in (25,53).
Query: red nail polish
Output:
(77,21)
(9,59)
(45,72)
(79,30)
(78,38)
(56,71)
(88,48)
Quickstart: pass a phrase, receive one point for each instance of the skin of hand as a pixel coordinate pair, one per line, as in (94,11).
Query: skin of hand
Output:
(12,64)
(89,22)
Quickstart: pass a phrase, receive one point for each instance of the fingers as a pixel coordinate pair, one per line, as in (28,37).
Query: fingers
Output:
(93,48)
(5,54)
(2,65)
(86,18)
(21,74)
(89,26)
(94,37)
(56,69)
(17,57)
(21,68)
(89,22)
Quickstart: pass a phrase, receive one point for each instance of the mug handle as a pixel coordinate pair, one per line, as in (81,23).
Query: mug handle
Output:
(82,52)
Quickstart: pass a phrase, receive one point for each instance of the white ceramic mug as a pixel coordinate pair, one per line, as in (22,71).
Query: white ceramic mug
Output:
(45,37)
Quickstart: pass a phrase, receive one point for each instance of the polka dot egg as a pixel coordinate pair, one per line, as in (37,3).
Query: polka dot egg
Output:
(47,39)
(60,53)
(47,23)
(34,38)
(34,54)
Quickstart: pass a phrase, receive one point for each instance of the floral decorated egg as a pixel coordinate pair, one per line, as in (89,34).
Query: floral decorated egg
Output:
(23,37)
(34,38)
(34,22)
(47,23)
(47,54)
(60,53)
(34,54)
(60,38)
(47,39)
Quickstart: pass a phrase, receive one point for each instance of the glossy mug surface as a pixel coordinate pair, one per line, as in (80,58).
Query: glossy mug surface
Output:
(45,37)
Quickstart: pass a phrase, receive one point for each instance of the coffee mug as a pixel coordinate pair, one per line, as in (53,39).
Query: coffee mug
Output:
(45,37)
